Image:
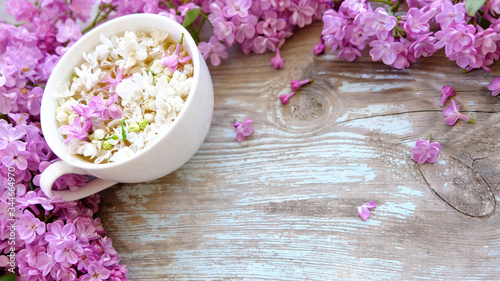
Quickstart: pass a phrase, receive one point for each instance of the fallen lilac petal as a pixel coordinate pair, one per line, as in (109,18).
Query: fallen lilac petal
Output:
(370,204)
(363,212)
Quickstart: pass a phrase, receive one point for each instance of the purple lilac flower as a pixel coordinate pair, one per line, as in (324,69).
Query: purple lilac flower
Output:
(451,14)
(7,99)
(334,29)
(446,91)
(243,130)
(29,255)
(13,157)
(66,274)
(109,254)
(29,227)
(96,272)
(68,31)
(364,210)
(75,130)
(487,41)
(385,50)
(262,43)
(492,6)
(425,151)
(277,61)
(354,7)
(296,84)
(186,7)
(350,53)
(172,61)
(22,9)
(81,9)
(237,8)
(60,234)
(378,23)
(90,110)
(452,114)
(32,198)
(34,100)
(417,20)
(460,37)
(494,87)
(319,48)
(424,45)
(84,230)
(271,24)
(302,12)
(118,273)
(224,30)
(111,110)
(113,82)
(244,29)
(45,263)
(285,98)
(11,135)
(214,49)
(88,257)
(68,252)
(354,34)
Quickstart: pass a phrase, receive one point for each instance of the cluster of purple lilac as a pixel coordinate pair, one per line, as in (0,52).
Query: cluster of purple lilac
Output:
(400,40)
(257,25)
(55,240)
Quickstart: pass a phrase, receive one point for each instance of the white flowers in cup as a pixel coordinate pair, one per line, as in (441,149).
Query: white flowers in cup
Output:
(127,90)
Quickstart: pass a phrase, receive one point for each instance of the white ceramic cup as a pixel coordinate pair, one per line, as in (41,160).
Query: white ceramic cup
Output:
(169,151)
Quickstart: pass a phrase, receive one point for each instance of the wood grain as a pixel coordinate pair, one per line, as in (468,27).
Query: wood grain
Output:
(282,204)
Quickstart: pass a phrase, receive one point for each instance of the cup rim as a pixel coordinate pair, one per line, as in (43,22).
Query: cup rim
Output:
(47,119)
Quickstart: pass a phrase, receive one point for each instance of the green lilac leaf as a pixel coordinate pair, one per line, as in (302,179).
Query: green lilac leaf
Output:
(8,277)
(472,6)
(191,16)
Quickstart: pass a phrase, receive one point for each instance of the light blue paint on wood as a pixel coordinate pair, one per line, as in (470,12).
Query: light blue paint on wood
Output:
(408,191)
(397,125)
(372,110)
(368,87)
(389,210)
(372,76)
(248,199)
(346,137)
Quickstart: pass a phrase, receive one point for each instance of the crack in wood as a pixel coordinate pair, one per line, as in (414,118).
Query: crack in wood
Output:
(459,185)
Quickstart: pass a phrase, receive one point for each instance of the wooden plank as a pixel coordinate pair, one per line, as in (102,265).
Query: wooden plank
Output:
(282,204)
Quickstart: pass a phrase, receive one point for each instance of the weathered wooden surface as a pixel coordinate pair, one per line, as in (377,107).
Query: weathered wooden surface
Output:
(282,205)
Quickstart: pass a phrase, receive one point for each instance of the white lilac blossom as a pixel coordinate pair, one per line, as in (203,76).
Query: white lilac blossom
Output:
(123,94)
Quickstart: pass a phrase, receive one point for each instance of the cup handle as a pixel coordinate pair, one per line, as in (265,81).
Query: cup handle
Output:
(57,169)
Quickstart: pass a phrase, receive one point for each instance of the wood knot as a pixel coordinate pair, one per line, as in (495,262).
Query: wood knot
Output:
(310,108)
